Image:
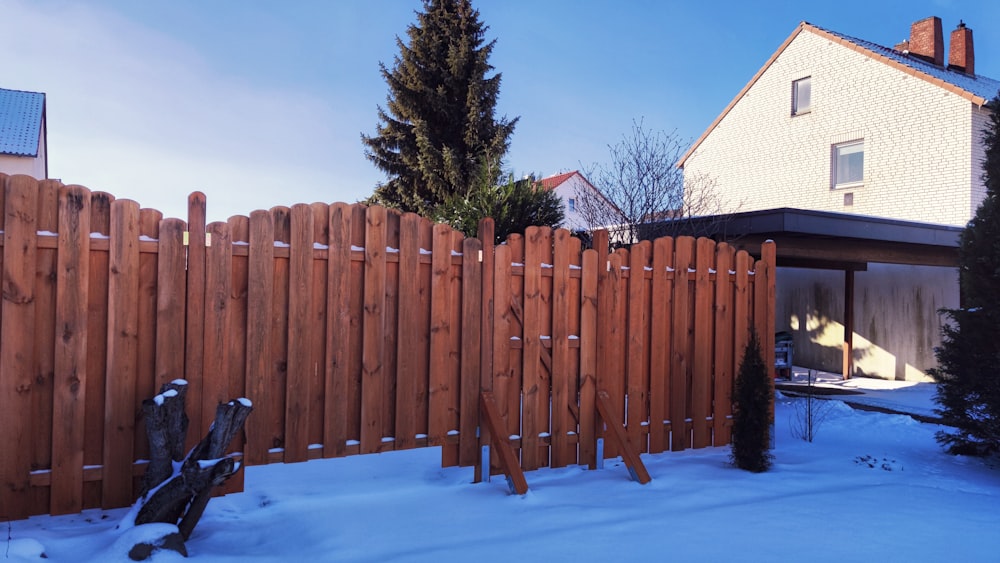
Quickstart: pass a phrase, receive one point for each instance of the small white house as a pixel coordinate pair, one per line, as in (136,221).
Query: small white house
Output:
(22,134)
(570,186)
(837,124)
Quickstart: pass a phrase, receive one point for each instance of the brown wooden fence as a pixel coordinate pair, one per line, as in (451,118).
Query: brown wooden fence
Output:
(353,330)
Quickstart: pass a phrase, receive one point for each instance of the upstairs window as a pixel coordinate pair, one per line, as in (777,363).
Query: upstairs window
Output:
(801,96)
(848,164)
(572,205)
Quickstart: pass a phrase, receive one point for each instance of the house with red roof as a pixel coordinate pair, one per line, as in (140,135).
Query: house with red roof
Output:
(864,159)
(22,134)
(572,187)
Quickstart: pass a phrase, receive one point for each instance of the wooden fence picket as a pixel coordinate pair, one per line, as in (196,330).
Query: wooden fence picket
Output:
(701,364)
(70,384)
(17,345)
(120,399)
(680,365)
(260,277)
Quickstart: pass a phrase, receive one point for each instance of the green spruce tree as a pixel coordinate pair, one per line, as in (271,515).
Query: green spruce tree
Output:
(438,127)
(752,400)
(968,394)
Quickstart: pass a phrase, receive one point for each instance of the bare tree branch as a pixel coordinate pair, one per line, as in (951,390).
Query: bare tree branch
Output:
(643,194)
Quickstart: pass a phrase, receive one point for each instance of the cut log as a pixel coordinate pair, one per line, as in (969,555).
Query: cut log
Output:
(177,489)
(166,429)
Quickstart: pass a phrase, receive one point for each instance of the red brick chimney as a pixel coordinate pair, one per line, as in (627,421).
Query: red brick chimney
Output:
(927,40)
(961,55)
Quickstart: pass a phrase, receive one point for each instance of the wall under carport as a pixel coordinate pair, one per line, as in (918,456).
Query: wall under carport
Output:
(897,323)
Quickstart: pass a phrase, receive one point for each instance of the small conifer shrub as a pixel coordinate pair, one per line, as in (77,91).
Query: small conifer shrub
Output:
(752,399)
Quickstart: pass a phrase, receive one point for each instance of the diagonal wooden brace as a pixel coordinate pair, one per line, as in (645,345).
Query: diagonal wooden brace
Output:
(636,469)
(500,443)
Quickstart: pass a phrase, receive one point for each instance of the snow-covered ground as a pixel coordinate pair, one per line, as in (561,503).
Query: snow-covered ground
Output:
(871,486)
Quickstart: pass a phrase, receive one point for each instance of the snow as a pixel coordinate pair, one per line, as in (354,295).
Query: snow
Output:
(871,484)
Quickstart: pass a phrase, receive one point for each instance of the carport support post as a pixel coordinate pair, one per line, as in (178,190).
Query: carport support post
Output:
(848,363)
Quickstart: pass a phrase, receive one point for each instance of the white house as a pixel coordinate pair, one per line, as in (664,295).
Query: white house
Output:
(22,134)
(569,186)
(836,124)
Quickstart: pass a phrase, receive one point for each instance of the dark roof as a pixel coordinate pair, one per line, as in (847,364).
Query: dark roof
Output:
(978,85)
(826,239)
(20,122)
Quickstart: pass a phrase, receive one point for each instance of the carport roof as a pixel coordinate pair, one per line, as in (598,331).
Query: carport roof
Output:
(842,241)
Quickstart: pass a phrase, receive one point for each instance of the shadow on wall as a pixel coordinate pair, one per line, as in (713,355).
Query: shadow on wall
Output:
(897,325)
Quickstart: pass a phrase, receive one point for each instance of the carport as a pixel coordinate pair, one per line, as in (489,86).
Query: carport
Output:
(834,241)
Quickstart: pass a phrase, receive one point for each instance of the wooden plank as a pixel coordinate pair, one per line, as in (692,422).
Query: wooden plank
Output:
(563,451)
(629,452)
(299,358)
(660,342)
(318,324)
(722,405)
(146,388)
(97,338)
(239,233)
(337,331)
(741,308)
(236,349)
(410,330)
(120,400)
(390,360)
(487,235)
(503,371)
(441,394)
(373,377)
(194,359)
(769,260)
(637,358)
(511,404)
(501,445)
(450,451)
(588,358)
(847,365)
(46,221)
(605,326)
(701,364)
(170,302)
(259,356)
(278,379)
(218,271)
(69,393)
(472,297)
(680,364)
(422,354)
(359,221)
(17,345)
(534,419)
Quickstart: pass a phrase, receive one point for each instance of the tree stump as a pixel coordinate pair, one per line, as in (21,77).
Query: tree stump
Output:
(176,488)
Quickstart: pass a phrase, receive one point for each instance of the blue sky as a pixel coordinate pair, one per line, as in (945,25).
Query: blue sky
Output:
(263,103)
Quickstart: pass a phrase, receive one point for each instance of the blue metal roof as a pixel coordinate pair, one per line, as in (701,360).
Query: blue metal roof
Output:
(20,121)
(977,85)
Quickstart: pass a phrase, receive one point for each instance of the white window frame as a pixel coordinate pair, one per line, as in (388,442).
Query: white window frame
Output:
(835,157)
(797,108)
